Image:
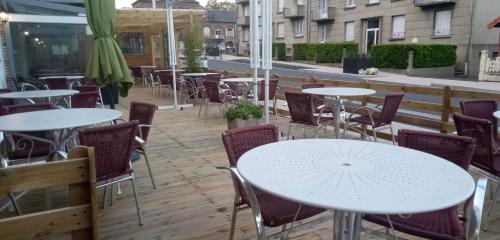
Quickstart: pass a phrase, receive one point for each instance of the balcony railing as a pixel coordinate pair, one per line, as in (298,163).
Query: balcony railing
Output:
(243,21)
(242,1)
(428,3)
(297,11)
(323,15)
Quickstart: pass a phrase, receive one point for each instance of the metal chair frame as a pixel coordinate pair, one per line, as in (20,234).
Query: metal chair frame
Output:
(315,129)
(370,111)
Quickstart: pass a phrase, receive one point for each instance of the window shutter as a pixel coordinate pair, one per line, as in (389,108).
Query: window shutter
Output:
(398,27)
(349,31)
(442,22)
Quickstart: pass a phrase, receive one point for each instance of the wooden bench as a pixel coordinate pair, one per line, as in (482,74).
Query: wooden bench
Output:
(80,216)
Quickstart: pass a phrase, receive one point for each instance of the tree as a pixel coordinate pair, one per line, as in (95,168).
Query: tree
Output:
(220,5)
(193,48)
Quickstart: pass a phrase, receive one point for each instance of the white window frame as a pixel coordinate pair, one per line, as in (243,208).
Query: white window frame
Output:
(280,33)
(246,34)
(280,5)
(229,32)
(350,3)
(373,1)
(323,33)
(349,37)
(298,28)
(398,32)
(442,30)
(246,10)
(218,33)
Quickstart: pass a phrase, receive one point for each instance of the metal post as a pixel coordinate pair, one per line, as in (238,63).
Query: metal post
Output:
(254,46)
(267,58)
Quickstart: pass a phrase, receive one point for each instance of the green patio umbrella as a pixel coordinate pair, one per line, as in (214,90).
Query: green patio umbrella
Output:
(106,65)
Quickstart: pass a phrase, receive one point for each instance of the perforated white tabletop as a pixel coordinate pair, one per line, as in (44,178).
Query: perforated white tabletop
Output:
(356,176)
(241,80)
(38,94)
(339,91)
(56,119)
(197,74)
(66,77)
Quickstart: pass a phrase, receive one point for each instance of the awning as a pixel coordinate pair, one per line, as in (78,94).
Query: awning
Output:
(154,20)
(494,24)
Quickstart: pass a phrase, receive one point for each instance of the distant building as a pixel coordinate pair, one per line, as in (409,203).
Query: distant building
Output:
(221,24)
(178,4)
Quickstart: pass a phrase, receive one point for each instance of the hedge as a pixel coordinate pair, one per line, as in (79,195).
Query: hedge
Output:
(279,48)
(323,52)
(425,55)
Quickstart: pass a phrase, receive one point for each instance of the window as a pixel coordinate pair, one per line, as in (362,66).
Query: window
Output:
(300,2)
(398,27)
(246,34)
(442,23)
(350,3)
(373,1)
(132,43)
(260,32)
(206,31)
(280,5)
(323,32)
(297,28)
(218,33)
(280,30)
(246,10)
(229,32)
(349,31)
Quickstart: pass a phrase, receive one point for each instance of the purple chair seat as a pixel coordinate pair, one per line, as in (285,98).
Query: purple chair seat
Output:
(366,120)
(443,224)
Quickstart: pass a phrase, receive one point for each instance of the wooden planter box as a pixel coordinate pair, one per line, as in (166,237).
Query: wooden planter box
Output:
(353,65)
(239,123)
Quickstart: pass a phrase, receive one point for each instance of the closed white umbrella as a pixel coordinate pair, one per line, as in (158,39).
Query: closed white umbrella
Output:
(254,45)
(172,57)
(267,43)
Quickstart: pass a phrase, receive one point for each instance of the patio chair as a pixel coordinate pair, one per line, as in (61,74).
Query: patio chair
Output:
(165,81)
(268,210)
(302,112)
(155,80)
(113,147)
(214,94)
(442,224)
(84,100)
(144,113)
(486,157)
(372,116)
(318,100)
(22,148)
(5,101)
(91,87)
(137,73)
(56,83)
(273,87)
(481,109)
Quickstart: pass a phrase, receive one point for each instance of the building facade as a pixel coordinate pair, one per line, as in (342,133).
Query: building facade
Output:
(371,22)
(220,25)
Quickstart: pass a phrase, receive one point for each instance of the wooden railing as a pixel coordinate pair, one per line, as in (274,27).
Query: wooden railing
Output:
(441,110)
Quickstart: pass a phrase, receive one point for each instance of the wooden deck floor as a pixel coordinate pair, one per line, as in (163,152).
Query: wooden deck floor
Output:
(193,199)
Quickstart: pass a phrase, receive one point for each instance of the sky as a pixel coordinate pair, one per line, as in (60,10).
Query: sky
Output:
(126,3)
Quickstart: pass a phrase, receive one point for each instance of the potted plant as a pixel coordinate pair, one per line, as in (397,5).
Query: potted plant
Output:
(353,63)
(243,114)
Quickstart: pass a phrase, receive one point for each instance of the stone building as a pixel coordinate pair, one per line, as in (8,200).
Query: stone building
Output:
(220,25)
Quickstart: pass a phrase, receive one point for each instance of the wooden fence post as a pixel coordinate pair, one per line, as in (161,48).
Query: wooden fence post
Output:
(445,112)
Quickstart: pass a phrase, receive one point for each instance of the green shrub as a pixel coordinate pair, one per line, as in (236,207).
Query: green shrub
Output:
(280,49)
(425,55)
(323,52)
(243,110)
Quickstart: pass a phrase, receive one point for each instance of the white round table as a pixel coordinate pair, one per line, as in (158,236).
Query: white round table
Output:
(333,95)
(58,119)
(354,177)
(38,94)
(241,80)
(496,114)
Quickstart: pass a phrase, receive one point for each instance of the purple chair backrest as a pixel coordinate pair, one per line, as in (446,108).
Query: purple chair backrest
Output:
(456,149)
(136,71)
(213,77)
(57,83)
(212,91)
(273,85)
(84,100)
(390,108)
(300,106)
(482,131)
(240,140)
(87,88)
(13,109)
(480,109)
(312,85)
(165,77)
(144,113)
(113,148)
(5,101)
(155,75)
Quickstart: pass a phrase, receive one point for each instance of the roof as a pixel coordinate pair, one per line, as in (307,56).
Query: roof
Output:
(221,15)
(494,24)
(178,4)
(46,7)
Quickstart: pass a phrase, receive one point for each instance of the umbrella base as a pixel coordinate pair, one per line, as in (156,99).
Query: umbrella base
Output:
(178,107)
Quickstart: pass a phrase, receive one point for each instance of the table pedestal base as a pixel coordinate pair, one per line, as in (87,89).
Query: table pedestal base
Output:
(346,225)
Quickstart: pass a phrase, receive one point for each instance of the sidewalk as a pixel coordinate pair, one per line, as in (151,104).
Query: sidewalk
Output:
(392,77)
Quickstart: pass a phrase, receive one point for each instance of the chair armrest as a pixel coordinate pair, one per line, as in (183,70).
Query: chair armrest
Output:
(139,140)
(475,211)
(141,126)
(254,204)
(367,109)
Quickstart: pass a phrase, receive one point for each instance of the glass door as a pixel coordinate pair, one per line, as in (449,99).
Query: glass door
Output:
(372,33)
(323,8)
